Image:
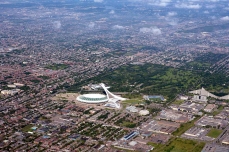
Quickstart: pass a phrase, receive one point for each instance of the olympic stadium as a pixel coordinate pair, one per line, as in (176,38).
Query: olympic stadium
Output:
(92,98)
(109,99)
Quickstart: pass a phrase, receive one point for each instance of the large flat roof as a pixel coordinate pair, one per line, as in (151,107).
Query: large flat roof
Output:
(94,95)
(92,98)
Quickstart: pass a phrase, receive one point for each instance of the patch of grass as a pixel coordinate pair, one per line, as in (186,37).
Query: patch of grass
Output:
(184,127)
(133,101)
(25,88)
(155,145)
(181,145)
(128,124)
(43,77)
(214,133)
(27,128)
(219,109)
(199,147)
(104,116)
(178,102)
(57,66)
(132,95)
(35,81)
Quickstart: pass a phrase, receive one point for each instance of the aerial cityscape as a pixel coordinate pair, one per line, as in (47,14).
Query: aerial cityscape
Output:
(114,76)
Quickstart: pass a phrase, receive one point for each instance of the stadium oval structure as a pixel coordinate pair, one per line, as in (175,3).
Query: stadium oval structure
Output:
(92,98)
(100,98)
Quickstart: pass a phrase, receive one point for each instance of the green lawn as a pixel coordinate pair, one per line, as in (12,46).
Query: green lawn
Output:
(128,124)
(57,66)
(178,102)
(181,145)
(43,77)
(214,133)
(219,109)
(27,128)
(132,101)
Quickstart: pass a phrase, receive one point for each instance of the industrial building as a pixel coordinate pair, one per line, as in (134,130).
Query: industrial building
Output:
(210,108)
(212,122)
(174,116)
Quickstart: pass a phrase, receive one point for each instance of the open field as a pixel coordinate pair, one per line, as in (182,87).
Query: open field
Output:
(128,124)
(66,96)
(214,133)
(179,145)
(218,110)
(27,128)
(178,102)
(132,101)
(57,66)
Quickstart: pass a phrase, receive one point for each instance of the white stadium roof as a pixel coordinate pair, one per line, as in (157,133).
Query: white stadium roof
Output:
(92,98)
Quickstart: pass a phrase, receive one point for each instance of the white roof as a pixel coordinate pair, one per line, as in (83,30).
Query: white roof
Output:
(144,112)
(94,95)
(132,143)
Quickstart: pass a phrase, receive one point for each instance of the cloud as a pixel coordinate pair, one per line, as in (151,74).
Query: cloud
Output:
(159,2)
(189,6)
(119,27)
(213,17)
(57,24)
(213,0)
(171,14)
(151,30)
(112,12)
(173,23)
(98,1)
(225,18)
(210,6)
(91,25)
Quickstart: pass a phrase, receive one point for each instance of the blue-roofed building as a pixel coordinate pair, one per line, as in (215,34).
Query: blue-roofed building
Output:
(131,135)
(154,97)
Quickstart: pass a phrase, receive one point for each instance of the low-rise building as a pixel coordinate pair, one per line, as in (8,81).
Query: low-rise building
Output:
(164,127)
(210,108)
(143,112)
(226,140)
(195,132)
(132,109)
(188,107)
(176,116)
(206,121)
(10,92)
(184,97)
(215,148)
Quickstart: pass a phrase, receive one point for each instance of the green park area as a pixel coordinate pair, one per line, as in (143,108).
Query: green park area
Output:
(218,110)
(198,65)
(56,66)
(128,124)
(214,133)
(151,79)
(35,81)
(179,145)
(43,77)
(178,102)
(27,128)
(132,101)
